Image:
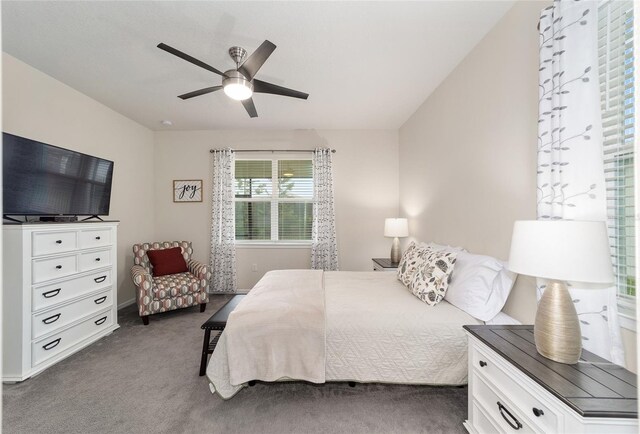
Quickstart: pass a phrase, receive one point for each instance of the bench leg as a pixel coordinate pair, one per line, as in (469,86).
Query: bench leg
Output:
(205,352)
(252,383)
(145,319)
(203,306)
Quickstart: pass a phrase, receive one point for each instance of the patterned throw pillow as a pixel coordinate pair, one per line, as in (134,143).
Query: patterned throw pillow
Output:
(412,258)
(430,281)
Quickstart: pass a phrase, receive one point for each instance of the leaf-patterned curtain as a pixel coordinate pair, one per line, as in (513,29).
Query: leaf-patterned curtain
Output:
(324,247)
(570,181)
(223,225)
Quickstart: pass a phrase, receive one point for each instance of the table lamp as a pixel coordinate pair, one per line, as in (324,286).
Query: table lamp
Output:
(396,228)
(561,251)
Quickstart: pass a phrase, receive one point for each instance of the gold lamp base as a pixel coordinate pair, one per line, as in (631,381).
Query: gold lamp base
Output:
(557,329)
(395,251)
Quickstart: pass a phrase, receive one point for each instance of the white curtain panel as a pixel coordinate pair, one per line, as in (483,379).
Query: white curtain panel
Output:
(570,181)
(223,224)
(324,248)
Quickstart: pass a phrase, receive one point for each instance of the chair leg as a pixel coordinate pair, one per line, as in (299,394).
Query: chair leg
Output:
(145,319)
(203,306)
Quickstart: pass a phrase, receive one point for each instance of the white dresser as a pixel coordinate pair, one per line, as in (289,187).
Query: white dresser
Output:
(59,292)
(514,389)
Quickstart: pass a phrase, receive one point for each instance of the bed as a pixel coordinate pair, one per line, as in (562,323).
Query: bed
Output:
(339,326)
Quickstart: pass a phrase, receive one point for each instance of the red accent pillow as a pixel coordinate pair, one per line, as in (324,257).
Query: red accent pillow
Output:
(167,261)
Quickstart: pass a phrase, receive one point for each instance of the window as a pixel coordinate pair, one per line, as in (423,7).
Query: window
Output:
(274,200)
(617,90)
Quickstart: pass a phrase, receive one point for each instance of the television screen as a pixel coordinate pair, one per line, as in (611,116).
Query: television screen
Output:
(41,179)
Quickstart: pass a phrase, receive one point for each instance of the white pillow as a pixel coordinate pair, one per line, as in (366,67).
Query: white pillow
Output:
(479,285)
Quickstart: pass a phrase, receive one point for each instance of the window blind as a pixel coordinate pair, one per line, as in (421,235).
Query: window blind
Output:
(617,90)
(274,200)
(295,194)
(253,192)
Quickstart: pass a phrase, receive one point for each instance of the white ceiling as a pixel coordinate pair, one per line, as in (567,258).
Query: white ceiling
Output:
(366,65)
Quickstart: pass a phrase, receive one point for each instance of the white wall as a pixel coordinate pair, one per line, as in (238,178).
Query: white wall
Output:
(468,154)
(41,108)
(365,184)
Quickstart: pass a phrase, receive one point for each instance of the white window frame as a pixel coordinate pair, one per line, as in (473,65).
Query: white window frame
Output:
(274,242)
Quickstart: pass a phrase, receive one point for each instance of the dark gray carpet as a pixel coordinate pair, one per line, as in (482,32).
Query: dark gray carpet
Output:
(145,379)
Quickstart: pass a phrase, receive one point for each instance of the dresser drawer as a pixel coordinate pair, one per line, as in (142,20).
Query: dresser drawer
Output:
(47,322)
(49,295)
(53,268)
(486,366)
(497,410)
(93,260)
(95,238)
(53,345)
(46,243)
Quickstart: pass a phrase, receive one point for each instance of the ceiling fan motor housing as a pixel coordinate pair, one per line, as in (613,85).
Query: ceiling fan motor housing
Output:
(234,77)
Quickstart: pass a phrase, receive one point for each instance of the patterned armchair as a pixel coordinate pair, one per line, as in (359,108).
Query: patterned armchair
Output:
(175,291)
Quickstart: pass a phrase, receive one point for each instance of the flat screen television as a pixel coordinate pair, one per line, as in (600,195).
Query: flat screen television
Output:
(45,180)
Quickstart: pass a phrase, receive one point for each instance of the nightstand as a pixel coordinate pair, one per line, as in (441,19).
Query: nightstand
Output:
(513,388)
(384,264)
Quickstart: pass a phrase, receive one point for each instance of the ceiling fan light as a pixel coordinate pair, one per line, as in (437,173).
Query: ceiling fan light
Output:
(237,87)
(238,91)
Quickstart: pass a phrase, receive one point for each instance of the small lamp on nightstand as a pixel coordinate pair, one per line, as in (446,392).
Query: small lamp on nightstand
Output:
(396,228)
(561,251)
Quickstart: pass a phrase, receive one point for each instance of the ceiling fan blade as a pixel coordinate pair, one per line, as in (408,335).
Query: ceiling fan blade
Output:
(254,62)
(188,58)
(200,92)
(264,87)
(250,107)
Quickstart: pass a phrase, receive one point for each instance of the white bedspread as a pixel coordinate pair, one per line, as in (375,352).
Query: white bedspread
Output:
(278,330)
(376,331)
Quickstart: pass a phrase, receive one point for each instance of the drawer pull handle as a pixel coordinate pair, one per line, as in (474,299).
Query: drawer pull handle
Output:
(100,300)
(100,321)
(482,363)
(58,241)
(100,279)
(503,409)
(97,238)
(537,412)
(59,267)
(98,259)
(51,344)
(51,293)
(52,319)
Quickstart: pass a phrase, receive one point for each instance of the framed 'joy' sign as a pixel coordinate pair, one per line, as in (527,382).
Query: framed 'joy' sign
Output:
(187,190)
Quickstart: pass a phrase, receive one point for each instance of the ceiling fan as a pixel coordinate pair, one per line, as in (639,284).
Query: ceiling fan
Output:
(239,83)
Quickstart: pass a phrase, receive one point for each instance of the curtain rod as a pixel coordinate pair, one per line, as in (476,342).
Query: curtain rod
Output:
(333,151)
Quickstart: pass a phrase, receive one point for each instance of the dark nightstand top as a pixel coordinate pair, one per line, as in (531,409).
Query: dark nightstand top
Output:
(385,262)
(593,387)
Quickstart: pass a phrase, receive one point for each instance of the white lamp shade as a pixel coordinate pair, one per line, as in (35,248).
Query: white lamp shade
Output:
(396,228)
(576,251)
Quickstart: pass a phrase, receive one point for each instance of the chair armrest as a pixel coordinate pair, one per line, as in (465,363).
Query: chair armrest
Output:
(199,270)
(141,278)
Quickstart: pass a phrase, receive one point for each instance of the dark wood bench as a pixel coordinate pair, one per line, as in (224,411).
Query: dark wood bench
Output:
(217,323)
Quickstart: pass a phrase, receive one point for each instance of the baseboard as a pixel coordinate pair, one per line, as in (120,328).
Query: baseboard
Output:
(126,303)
